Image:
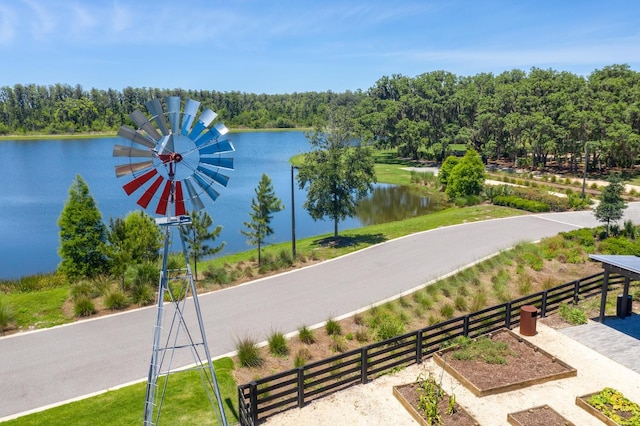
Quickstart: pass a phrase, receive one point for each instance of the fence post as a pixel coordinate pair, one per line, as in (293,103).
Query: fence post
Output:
(253,401)
(300,387)
(507,318)
(576,291)
(363,366)
(543,308)
(465,326)
(419,347)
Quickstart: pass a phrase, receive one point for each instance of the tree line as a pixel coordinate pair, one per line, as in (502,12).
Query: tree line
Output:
(528,118)
(61,108)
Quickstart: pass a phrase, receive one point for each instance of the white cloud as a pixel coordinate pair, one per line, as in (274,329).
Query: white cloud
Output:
(43,21)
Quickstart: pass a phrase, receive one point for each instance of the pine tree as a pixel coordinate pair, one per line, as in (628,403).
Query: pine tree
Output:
(263,206)
(82,234)
(611,203)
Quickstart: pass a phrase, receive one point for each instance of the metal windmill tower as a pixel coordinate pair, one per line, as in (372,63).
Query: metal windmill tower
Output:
(175,157)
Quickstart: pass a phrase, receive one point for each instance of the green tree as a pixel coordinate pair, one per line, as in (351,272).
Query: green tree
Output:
(197,235)
(467,177)
(339,172)
(446,168)
(611,203)
(82,234)
(133,240)
(263,205)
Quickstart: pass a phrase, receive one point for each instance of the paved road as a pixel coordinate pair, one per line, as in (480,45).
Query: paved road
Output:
(54,365)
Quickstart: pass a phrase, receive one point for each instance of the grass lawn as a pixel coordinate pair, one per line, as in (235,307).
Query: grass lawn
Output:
(185,403)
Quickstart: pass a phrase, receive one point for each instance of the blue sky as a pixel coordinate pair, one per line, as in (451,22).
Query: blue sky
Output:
(271,46)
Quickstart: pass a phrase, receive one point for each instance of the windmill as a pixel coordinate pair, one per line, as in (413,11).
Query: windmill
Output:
(175,159)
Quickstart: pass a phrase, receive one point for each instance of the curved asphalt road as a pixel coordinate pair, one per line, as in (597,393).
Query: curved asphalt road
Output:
(53,365)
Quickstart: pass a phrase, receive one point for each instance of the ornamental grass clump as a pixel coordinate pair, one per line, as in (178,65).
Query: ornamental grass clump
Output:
(333,327)
(306,335)
(248,353)
(278,344)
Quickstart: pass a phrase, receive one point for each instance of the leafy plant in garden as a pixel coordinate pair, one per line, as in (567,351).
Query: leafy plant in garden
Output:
(613,404)
(572,314)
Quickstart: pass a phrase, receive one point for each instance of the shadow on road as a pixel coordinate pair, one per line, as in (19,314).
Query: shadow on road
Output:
(350,241)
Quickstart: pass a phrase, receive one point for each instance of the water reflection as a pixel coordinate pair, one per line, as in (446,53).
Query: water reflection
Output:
(389,203)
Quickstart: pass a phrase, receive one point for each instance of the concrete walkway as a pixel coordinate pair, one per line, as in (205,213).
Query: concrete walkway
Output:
(617,339)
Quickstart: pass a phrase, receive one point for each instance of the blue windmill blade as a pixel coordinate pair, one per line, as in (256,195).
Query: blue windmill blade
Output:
(206,186)
(222,162)
(173,110)
(213,175)
(214,133)
(193,195)
(143,123)
(155,109)
(189,114)
(203,122)
(219,147)
(135,136)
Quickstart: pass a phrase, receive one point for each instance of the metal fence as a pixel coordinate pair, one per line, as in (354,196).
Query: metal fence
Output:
(295,388)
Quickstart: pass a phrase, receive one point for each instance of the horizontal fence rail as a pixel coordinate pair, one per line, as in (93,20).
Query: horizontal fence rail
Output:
(297,387)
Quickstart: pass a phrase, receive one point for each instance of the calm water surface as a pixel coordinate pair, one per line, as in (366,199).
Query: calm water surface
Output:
(37,175)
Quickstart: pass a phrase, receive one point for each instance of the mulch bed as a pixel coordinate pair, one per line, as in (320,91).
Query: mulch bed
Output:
(527,365)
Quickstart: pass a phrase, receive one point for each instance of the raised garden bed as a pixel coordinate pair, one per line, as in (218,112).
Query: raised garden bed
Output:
(611,407)
(538,416)
(524,365)
(409,397)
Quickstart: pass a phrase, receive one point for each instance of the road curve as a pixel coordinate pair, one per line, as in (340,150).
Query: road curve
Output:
(53,365)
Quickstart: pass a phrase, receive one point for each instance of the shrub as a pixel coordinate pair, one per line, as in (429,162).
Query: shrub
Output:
(6,315)
(447,311)
(478,301)
(460,303)
(306,335)
(83,289)
(83,306)
(143,295)
(572,314)
(278,344)
(521,204)
(302,356)
(388,326)
(116,300)
(362,335)
(248,353)
(333,328)
(338,343)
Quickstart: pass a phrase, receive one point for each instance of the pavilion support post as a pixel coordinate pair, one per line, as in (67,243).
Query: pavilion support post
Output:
(603,301)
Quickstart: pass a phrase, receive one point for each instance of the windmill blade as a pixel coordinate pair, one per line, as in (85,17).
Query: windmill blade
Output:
(127,169)
(135,136)
(164,198)
(219,147)
(190,111)
(223,162)
(179,200)
(193,195)
(155,109)
(215,176)
(214,133)
(167,146)
(150,192)
(143,122)
(132,186)
(206,187)
(204,120)
(128,151)
(173,109)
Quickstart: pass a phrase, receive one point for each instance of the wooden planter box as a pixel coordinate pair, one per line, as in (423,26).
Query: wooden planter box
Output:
(512,418)
(417,416)
(568,370)
(581,401)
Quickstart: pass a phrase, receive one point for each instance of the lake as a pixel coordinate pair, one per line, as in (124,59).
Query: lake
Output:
(37,175)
